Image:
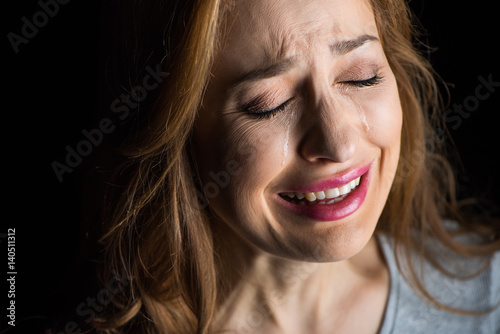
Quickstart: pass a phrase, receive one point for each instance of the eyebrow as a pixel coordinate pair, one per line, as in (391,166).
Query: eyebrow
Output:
(343,47)
(272,70)
(275,69)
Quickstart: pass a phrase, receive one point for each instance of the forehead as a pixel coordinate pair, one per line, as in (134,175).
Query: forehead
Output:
(263,31)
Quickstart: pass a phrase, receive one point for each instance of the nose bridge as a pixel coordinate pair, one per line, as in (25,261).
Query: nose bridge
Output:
(332,132)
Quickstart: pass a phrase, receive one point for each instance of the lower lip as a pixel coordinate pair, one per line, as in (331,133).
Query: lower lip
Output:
(335,211)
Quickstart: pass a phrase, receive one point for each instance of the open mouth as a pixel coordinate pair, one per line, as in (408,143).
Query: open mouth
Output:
(325,197)
(331,199)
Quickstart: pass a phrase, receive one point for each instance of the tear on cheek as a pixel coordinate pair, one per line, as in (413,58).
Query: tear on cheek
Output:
(366,126)
(362,116)
(355,105)
(288,124)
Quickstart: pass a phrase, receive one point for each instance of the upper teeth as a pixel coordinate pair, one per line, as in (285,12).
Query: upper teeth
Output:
(329,193)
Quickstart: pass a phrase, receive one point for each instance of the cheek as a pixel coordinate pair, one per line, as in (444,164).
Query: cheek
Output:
(256,148)
(253,151)
(384,116)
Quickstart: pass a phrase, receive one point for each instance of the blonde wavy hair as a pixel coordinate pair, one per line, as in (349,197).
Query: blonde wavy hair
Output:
(152,227)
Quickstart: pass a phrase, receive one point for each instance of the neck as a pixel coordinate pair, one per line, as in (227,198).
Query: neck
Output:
(258,287)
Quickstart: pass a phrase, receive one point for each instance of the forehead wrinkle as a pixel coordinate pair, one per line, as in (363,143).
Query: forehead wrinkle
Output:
(284,31)
(278,42)
(279,29)
(287,39)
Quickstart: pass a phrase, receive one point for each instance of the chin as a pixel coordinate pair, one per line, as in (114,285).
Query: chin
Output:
(318,241)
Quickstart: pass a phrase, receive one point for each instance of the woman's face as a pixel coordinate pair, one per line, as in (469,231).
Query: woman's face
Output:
(298,139)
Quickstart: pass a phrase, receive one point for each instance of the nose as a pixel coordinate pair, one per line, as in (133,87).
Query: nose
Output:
(331,133)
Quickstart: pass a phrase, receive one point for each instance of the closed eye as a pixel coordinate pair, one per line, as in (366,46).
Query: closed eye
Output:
(373,81)
(259,114)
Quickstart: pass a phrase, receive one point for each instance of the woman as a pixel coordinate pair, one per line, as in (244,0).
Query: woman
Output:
(288,180)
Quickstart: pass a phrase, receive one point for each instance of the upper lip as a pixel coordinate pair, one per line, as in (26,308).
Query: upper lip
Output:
(336,181)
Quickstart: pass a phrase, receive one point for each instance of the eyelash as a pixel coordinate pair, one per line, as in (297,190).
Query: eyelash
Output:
(267,114)
(373,81)
(260,114)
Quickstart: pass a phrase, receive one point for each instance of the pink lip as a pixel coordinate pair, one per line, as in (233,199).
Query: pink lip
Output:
(335,182)
(335,211)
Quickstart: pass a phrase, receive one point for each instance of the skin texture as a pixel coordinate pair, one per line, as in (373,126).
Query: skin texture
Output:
(329,125)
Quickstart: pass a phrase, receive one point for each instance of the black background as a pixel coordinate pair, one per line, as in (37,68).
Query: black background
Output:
(52,92)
